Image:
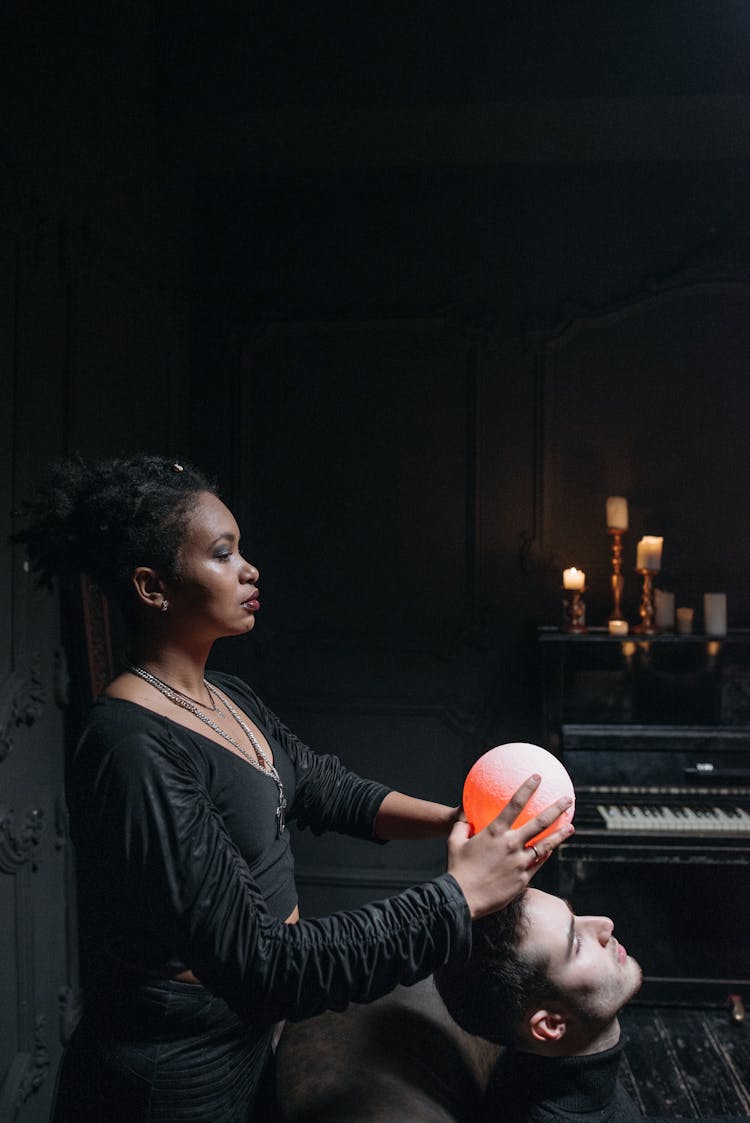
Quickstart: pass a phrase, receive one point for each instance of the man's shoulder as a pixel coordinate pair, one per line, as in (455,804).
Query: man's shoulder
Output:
(524,1088)
(525,1109)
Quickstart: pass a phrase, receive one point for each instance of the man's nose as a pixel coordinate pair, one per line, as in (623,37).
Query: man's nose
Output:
(603,927)
(606,928)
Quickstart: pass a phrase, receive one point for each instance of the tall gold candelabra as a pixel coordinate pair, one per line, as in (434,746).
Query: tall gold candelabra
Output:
(646,610)
(617,580)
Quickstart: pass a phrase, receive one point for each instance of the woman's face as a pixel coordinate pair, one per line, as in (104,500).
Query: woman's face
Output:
(215,593)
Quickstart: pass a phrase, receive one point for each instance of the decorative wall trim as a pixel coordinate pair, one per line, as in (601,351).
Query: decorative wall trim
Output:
(17,849)
(25,1075)
(28,1069)
(22,697)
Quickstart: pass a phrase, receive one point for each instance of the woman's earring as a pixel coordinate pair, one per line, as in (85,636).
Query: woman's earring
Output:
(164,605)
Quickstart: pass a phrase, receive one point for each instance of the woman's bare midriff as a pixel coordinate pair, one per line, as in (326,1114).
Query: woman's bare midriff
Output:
(189,977)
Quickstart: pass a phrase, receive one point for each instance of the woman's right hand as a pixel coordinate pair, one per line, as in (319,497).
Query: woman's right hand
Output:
(495,865)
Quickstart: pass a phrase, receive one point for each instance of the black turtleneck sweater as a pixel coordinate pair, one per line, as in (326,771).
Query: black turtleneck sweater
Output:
(526,1088)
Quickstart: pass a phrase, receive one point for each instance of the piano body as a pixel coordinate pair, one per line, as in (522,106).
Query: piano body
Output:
(655,733)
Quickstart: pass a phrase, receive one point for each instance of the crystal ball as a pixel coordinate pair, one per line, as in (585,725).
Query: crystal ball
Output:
(499,772)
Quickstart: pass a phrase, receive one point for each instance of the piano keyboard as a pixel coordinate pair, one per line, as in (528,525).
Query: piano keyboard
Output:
(675,819)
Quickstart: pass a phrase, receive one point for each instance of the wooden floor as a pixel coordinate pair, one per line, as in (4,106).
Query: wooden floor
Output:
(687,1063)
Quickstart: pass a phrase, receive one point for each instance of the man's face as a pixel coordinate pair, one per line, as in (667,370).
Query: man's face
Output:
(592,971)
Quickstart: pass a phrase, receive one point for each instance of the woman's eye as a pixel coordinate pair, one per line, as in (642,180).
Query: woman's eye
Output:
(577,945)
(224,557)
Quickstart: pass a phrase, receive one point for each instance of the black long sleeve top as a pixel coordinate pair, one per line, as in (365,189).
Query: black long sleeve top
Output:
(179,864)
(526,1088)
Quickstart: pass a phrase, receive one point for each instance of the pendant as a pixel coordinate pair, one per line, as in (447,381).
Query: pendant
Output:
(280,814)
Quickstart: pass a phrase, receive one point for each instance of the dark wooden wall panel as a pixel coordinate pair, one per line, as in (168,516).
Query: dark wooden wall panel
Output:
(37,980)
(357,450)
(358,507)
(650,400)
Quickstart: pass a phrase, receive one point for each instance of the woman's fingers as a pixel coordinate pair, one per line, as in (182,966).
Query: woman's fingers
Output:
(543,820)
(516,804)
(459,831)
(540,851)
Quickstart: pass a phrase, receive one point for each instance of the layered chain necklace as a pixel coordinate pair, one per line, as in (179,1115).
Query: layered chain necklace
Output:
(259,760)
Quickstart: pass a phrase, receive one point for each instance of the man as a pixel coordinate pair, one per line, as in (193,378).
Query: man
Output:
(549,985)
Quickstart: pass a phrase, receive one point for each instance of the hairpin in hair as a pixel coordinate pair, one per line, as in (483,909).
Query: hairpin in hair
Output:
(177,467)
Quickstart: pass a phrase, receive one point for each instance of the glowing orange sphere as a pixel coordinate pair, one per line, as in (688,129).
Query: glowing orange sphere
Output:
(500,772)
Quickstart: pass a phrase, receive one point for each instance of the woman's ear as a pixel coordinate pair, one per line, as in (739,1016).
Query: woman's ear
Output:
(547,1025)
(148,587)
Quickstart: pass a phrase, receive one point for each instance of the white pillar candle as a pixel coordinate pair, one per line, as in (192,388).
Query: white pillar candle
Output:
(664,609)
(574,578)
(618,627)
(715,614)
(617,512)
(648,552)
(684,621)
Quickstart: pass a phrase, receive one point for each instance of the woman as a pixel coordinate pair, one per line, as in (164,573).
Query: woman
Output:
(179,793)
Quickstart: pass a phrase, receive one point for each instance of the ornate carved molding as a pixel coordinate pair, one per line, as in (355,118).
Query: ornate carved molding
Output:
(22,697)
(722,271)
(16,849)
(26,1074)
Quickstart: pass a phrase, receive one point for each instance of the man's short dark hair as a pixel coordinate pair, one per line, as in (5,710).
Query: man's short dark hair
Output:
(489,994)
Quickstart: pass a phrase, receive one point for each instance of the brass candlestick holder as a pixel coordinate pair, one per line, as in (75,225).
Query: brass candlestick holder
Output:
(575,610)
(617,580)
(646,610)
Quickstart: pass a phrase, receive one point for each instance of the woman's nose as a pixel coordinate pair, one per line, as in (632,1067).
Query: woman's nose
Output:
(249,572)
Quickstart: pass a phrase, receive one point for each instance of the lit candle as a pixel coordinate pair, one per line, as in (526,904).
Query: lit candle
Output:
(618,627)
(574,578)
(648,554)
(617,513)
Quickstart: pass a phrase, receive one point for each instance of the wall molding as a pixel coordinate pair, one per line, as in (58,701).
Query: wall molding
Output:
(19,848)
(22,698)
(29,1067)
(25,1075)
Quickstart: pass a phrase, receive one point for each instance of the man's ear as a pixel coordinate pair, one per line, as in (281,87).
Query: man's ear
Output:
(547,1025)
(148,586)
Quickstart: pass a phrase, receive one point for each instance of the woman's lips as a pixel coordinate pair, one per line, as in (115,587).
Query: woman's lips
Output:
(252,605)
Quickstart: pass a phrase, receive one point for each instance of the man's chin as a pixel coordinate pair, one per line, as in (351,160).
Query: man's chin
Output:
(637,978)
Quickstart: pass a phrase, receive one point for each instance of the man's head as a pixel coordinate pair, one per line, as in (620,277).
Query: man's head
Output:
(542,979)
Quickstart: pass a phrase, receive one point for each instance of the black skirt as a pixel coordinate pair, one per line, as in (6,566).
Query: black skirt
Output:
(164,1052)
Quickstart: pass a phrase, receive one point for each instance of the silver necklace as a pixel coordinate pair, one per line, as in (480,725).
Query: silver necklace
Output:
(260,761)
(212,699)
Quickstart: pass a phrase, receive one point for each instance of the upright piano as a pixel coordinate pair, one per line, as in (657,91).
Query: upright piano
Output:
(655,733)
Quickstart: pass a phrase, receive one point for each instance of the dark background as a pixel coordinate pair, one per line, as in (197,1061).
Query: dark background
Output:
(422,284)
